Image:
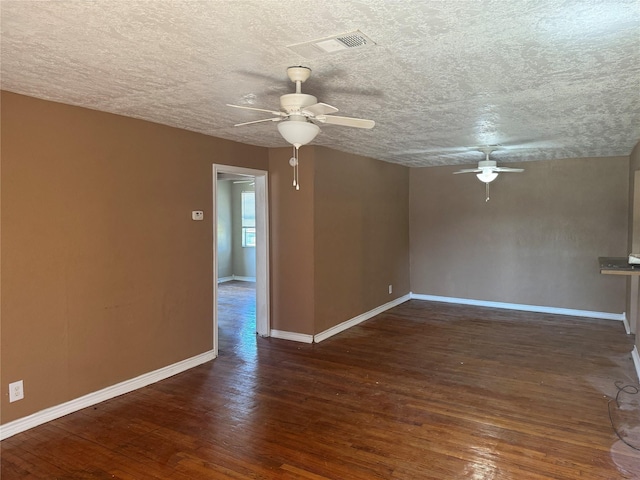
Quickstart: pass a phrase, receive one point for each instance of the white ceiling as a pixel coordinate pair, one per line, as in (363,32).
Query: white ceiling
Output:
(546,79)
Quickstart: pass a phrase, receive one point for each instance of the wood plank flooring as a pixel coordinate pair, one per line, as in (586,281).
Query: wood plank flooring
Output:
(422,391)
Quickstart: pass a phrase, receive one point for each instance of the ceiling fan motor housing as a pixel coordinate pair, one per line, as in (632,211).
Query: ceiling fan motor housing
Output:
(484,164)
(294,102)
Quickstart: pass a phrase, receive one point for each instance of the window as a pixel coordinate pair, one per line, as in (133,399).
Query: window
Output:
(248,219)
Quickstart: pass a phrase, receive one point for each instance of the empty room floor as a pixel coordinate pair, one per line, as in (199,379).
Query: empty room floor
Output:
(422,391)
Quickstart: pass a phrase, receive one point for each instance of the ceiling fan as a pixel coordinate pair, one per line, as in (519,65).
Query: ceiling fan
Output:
(488,170)
(298,115)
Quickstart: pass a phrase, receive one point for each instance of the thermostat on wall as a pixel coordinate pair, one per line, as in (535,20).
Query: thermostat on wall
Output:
(197,215)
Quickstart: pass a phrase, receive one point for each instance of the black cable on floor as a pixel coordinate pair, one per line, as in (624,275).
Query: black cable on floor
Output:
(628,389)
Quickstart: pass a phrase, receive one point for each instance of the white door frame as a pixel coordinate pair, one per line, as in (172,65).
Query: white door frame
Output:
(263,322)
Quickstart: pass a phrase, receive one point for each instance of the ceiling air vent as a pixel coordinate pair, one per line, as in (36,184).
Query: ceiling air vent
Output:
(336,43)
(353,40)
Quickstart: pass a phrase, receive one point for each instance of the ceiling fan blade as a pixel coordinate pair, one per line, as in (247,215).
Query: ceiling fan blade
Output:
(319,109)
(345,121)
(276,119)
(469,170)
(508,169)
(272,112)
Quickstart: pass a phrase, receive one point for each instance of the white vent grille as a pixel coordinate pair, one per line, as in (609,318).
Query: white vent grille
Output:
(335,43)
(353,40)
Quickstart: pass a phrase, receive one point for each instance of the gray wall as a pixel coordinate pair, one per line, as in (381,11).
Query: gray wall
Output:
(233,258)
(225,234)
(536,242)
(244,258)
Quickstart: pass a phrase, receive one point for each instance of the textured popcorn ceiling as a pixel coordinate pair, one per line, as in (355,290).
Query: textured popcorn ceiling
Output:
(546,79)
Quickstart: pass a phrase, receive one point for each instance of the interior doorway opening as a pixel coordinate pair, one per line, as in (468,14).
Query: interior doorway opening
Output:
(253,237)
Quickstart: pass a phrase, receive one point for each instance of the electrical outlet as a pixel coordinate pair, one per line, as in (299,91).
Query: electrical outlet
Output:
(16,391)
(390,288)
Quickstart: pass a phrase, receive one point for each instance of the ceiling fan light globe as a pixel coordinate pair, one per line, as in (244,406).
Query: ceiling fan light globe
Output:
(487,176)
(298,132)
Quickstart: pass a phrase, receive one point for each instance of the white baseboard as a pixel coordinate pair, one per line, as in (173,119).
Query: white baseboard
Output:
(525,308)
(9,429)
(303,338)
(296,337)
(636,361)
(236,277)
(359,319)
(244,279)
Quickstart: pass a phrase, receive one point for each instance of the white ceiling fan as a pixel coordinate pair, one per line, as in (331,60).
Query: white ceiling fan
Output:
(488,170)
(300,106)
(298,115)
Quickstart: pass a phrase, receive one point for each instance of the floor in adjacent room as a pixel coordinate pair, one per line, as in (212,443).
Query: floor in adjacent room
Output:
(423,391)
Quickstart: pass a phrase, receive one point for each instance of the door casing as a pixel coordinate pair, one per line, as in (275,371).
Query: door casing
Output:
(263,322)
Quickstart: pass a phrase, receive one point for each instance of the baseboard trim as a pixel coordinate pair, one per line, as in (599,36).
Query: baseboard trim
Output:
(244,279)
(636,361)
(303,338)
(359,319)
(236,277)
(525,308)
(296,337)
(12,428)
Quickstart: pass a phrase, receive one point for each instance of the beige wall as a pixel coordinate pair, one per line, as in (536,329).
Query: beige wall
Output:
(634,222)
(361,232)
(292,242)
(104,274)
(536,242)
(339,241)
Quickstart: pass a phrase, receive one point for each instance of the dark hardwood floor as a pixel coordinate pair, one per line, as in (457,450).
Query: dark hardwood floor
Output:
(237,318)
(422,391)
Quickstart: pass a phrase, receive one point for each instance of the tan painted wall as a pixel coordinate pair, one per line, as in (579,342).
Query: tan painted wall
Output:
(361,235)
(339,241)
(292,242)
(536,242)
(634,222)
(105,277)
(104,274)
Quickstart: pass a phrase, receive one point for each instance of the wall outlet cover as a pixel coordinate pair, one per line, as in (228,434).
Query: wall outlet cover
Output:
(16,391)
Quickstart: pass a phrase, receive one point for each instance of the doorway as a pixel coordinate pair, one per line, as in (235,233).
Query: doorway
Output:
(263,324)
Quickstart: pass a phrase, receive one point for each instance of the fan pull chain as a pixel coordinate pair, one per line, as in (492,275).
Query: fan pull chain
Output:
(293,161)
(486,189)
(296,170)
